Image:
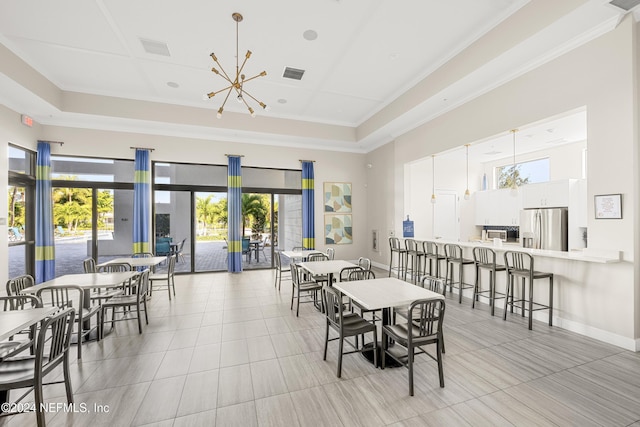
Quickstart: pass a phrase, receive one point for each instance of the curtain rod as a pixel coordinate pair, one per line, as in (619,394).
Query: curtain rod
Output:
(234,155)
(52,142)
(312,161)
(142,148)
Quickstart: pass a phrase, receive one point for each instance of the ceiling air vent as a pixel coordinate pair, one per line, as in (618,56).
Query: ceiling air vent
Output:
(155,47)
(625,5)
(293,73)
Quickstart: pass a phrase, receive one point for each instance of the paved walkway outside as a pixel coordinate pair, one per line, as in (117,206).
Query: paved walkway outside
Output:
(210,256)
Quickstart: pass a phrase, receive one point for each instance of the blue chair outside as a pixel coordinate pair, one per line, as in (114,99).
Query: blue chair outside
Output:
(245,248)
(163,248)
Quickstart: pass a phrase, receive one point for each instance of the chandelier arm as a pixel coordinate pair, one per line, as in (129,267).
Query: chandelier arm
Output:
(226,97)
(226,76)
(255,77)
(217,92)
(242,67)
(252,97)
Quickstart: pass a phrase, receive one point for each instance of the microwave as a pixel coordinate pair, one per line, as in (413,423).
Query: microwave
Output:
(497,234)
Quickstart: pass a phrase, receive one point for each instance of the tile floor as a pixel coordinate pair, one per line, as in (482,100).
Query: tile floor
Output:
(227,351)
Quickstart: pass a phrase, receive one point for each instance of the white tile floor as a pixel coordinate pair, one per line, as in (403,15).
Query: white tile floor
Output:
(227,351)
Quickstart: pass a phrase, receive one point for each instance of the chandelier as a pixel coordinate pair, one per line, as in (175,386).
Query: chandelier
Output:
(236,84)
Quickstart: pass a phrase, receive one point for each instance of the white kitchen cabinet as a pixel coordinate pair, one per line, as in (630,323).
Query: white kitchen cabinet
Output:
(552,194)
(497,207)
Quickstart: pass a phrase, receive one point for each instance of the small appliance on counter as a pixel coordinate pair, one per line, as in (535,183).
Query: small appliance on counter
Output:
(496,234)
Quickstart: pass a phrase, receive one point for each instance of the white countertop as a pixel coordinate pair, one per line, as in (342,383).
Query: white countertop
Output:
(586,255)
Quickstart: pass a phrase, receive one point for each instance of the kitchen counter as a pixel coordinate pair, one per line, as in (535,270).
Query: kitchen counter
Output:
(586,255)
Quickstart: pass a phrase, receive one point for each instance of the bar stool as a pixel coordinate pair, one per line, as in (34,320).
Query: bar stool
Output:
(394,245)
(520,265)
(430,250)
(485,259)
(414,257)
(453,255)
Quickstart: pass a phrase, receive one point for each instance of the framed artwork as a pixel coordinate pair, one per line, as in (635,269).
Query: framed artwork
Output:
(608,206)
(338,229)
(337,197)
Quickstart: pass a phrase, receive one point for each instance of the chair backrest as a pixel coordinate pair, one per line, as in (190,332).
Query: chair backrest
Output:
(181,245)
(434,284)
(452,251)
(62,296)
(89,265)
(427,315)
(331,253)
(163,248)
(365,263)
(430,248)
(411,245)
(332,299)
(245,244)
(514,260)
(483,255)
(16,285)
(345,272)
(172,265)
(164,239)
(278,260)
(20,302)
(394,243)
(295,274)
(297,248)
(361,275)
(318,257)
(142,284)
(114,267)
(54,336)
(142,255)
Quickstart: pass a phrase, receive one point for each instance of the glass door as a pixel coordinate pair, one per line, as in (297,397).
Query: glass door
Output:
(210,230)
(257,219)
(72,228)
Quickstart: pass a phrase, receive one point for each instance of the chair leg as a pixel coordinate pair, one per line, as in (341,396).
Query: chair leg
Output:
(67,378)
(169,288)
(383,352)
(326,341)
(139,318)
(375,348)
(173,285)
(293,292)
(38,398)
(340,345)
(475,288)
(439,351)
(410,366)
(80,322)
(146,317)
(550,300)
(460,287)
(506,297)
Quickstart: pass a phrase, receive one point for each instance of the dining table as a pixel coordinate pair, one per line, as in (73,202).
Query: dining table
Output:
(136,262)
(300,254)
(328,268)
(88,282)
(384,294)
(12,322)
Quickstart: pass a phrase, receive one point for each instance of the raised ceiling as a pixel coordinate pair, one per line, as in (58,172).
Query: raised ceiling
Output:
(365,75)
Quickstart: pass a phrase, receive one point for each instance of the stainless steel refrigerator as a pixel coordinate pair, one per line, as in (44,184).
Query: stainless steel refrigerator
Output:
(544,229)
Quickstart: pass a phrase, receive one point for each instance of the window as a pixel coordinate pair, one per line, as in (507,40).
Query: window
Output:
(528,172)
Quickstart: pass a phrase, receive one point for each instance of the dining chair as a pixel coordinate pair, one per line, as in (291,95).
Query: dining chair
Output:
(361,274)
(168,277)
(425,328)
(454,256)
(485,259)
(319,256)
(434,284)
(52,349)
(364,263)
(89,265)
(331,253)
(16,285)
(14,346)
(356,325)
(137,299)
(282,272)
(71,296)
(301,288)
(179,250)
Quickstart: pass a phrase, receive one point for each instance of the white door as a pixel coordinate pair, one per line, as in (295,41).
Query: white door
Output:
(445,215)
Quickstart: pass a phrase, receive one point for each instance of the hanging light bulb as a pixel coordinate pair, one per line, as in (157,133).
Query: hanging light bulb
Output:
(467,193)
(514,186)
(433,178)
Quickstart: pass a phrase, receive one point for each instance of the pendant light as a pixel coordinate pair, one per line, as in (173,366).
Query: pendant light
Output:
(467,194)
(514,186)
(433,178)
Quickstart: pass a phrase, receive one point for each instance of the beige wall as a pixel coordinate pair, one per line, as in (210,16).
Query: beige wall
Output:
(599,75)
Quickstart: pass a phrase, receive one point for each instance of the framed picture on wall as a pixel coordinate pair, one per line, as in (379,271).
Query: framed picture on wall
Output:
(608,206)
(338,229)
(337,197)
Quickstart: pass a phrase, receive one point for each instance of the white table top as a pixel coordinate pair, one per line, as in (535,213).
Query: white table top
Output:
(375,294)
(85,280)
(137,262)
(299,254)
(12,322)
(319,268)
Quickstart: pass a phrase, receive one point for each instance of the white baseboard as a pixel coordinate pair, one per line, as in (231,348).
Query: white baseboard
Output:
(579,328)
